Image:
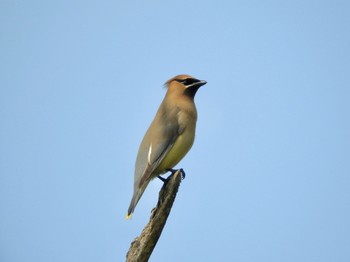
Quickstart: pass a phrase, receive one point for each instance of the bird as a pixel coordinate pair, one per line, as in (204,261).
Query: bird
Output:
(170,135)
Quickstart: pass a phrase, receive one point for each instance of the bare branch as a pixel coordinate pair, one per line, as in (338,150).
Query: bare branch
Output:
(141,248)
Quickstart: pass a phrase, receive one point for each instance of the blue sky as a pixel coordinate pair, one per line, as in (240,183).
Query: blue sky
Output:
(268,176)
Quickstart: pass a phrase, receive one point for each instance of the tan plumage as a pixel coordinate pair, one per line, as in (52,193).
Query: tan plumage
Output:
(170,135)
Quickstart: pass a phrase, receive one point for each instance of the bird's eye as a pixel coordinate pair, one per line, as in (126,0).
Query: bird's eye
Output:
(188,81)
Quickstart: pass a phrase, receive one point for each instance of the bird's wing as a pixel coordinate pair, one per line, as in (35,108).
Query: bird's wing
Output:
(164,133)
(154,147)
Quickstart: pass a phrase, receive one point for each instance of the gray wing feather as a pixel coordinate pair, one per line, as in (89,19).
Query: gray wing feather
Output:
(156,144)
(158,140)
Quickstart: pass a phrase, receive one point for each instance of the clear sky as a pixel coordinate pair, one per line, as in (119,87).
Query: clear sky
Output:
(268,178)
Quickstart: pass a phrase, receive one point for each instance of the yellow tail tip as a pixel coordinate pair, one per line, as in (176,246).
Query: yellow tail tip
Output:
(128,216)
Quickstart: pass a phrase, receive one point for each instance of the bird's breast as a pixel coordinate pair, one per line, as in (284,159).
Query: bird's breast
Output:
(180,148)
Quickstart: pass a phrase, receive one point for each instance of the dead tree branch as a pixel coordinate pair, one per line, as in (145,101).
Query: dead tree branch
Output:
(141,248)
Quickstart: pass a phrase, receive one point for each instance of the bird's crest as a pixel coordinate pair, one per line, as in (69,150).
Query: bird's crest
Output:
(178,77)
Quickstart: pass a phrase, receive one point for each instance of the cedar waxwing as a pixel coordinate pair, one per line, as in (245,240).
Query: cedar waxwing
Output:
(170,135)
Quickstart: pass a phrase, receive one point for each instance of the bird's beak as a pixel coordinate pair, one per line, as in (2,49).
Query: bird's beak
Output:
(201,83)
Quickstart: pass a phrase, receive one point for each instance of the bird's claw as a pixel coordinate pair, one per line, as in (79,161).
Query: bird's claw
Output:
(183,174)
(173,171)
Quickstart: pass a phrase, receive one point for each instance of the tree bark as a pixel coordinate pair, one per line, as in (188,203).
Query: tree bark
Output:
(141,248)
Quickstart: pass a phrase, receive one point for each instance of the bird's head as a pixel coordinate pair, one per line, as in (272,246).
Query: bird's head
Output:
(184,84)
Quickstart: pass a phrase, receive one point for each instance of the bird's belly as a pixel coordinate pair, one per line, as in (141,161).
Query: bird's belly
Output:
(180,148)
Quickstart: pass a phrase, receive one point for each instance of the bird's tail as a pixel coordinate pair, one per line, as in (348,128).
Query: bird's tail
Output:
(132,205)
(135,199)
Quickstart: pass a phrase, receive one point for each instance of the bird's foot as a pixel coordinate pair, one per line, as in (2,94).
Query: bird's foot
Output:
(183,174)
(162,178)
(173,171)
